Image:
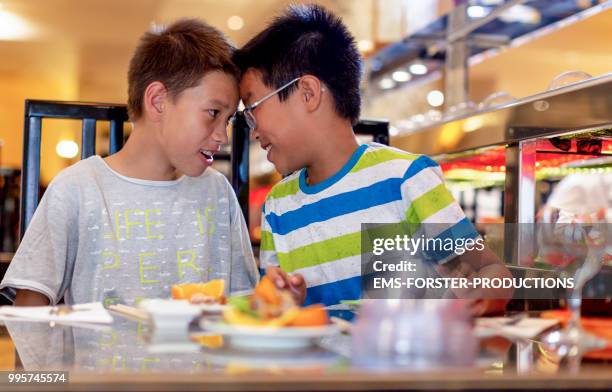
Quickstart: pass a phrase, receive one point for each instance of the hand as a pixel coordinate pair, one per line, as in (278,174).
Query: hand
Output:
(294,282)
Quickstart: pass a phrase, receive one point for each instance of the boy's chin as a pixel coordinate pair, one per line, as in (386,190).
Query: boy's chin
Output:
(284,172)
(194,171)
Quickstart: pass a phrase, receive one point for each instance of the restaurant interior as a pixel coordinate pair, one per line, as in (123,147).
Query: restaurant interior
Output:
(513,99)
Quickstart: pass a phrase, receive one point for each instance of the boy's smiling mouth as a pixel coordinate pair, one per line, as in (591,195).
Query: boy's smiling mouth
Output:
(208,154)
(268,148)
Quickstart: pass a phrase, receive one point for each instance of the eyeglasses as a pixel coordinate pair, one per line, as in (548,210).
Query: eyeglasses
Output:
(248,111)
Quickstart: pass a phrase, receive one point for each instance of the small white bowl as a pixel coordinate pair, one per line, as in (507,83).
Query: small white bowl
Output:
(169,313)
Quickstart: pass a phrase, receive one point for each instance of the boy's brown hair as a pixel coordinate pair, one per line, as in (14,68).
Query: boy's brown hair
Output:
(177,56)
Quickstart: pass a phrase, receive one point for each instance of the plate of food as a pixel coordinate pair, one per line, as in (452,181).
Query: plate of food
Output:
(271,319)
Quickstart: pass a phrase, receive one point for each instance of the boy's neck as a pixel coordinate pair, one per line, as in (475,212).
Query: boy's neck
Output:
(142,157)
(332,153)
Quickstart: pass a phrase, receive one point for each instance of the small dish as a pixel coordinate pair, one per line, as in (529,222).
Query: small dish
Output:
(170,313)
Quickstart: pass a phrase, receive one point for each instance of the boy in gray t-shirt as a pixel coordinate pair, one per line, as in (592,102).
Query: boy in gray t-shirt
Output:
(152,215)
(98,235)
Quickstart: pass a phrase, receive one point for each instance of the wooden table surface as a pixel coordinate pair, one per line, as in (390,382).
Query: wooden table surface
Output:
(594,378)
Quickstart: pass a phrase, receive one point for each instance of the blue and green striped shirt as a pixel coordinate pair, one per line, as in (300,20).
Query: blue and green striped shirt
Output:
(315,230)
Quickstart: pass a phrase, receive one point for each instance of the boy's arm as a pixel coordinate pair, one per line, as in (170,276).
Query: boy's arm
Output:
(267,249)
(43,262)
(269,264)
(30,298)
(429,204)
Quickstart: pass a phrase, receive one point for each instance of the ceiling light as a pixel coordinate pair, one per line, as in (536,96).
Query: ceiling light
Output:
(435,98)
(477,11)
(521,13)
(13,27)
(386,83)
(418,118)
(235,22)
(418,69)
(67,149)
(401,76)
(365,45)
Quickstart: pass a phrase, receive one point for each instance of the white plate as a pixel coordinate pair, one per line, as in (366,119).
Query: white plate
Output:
(269,338)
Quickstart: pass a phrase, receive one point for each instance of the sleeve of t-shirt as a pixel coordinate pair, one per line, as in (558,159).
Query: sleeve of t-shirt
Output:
(432,212)
(267,250)
(47,251)
(244,274)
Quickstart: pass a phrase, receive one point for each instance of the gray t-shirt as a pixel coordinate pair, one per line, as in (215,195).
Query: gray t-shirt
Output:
(101,236)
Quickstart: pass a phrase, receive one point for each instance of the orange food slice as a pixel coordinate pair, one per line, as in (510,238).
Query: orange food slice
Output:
(214,288)
(266,290)
(210,341)
(311,316)
(236,317)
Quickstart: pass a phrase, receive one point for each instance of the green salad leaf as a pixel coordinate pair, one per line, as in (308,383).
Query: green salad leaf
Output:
(243,305)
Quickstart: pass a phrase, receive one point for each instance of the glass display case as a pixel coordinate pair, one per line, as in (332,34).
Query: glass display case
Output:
(502,164)
(518,152)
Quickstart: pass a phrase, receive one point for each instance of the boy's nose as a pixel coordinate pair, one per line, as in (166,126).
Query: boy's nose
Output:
(220,135)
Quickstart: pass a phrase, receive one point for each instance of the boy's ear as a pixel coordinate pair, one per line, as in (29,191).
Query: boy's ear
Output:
(155,99)
(311,89)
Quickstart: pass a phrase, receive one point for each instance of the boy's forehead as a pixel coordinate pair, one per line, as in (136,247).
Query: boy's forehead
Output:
(250,84)
(218,89)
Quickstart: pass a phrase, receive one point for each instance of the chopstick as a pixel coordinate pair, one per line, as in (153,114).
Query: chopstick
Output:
(514,320)
(130,312)
(345,326)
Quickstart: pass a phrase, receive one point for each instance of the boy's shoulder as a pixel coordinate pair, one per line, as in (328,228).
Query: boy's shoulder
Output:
(380,161)
(288,186)
(377,153)
(76,173)
(66,187)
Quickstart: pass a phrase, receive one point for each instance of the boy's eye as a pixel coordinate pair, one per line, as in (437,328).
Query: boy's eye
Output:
(213,113)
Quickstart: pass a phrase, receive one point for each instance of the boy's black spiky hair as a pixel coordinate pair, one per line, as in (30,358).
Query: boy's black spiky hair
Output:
(307,39)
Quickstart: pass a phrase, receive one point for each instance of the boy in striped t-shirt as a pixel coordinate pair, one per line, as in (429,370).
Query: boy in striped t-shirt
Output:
(300,85)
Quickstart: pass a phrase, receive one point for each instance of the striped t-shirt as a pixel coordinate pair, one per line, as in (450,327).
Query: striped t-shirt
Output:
(315,230)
